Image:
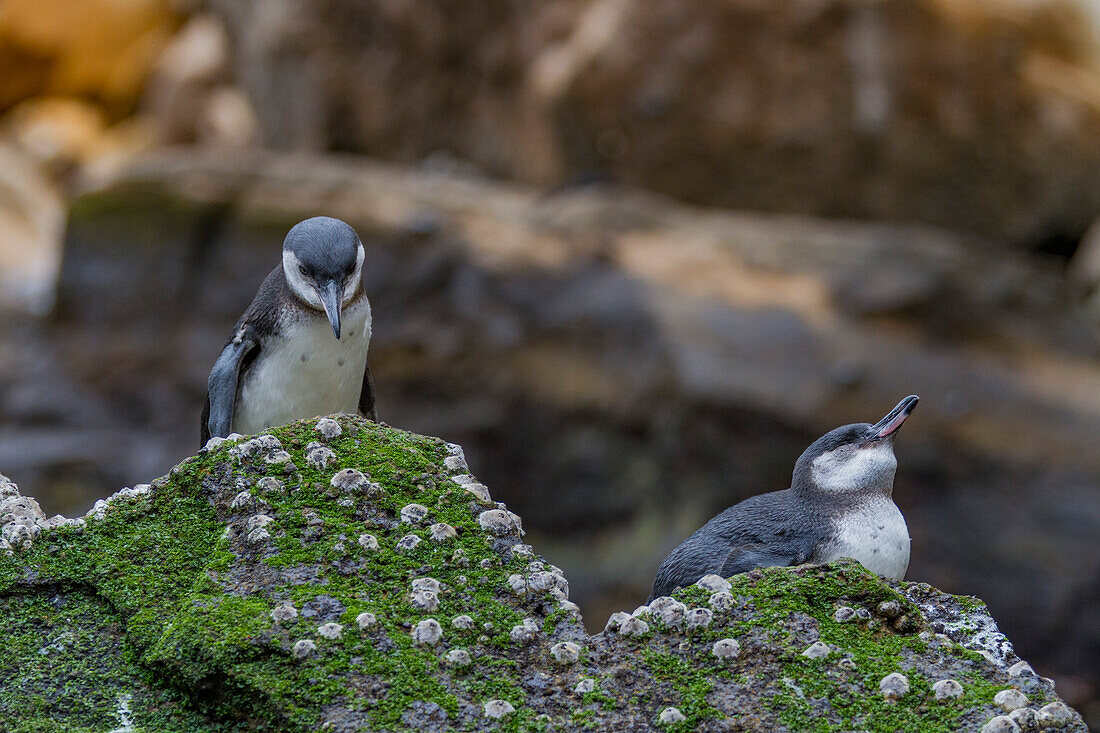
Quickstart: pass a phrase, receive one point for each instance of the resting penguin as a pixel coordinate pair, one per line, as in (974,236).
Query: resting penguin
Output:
(300,349)
(838,505)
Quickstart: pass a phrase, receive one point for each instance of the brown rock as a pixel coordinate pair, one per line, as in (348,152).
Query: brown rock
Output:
(57,131)
(188,94)
(975,116)
(32,222)
(95,48)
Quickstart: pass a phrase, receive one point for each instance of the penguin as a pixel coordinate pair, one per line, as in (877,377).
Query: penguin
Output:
(300,349)
(838,505)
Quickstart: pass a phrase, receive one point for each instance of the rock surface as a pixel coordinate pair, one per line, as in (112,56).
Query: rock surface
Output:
(896,110)
(632,365)
(99,49)
(159,610)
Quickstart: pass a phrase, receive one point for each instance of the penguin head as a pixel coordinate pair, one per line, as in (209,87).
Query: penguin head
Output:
(323,265)
(853,458)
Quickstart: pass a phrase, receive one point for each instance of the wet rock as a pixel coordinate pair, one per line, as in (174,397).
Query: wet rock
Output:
(615,91)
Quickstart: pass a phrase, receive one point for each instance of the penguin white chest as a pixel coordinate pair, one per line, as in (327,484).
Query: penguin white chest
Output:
(306,372)
(876,535)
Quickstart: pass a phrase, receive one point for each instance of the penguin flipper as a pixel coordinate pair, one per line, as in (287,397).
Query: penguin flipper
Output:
(743,558)
(221,386)
(366,397)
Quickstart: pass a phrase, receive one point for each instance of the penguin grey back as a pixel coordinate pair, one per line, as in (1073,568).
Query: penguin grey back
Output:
(777,528)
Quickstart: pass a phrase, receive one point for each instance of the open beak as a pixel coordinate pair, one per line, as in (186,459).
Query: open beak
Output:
(890,424)
(330,299)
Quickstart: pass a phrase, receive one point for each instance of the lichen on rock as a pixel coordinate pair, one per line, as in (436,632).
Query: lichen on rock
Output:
(167,597)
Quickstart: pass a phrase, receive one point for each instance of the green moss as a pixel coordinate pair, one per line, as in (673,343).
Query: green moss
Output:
(690,680)
(67,667)
(159,601)
(811,692)
(164,566)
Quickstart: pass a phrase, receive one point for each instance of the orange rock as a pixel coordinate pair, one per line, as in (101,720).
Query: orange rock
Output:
(95,48)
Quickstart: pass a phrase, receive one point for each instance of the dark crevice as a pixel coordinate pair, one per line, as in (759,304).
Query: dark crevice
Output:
(1057,241)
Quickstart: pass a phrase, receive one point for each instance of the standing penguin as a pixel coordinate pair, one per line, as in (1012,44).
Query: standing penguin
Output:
(839,505)
(300,349)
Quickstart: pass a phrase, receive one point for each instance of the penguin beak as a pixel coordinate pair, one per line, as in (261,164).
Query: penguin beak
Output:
(330,299)
(890,424)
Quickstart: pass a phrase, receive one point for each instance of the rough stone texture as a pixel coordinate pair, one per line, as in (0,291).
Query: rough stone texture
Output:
(607,349)
(191,627)
(896,110)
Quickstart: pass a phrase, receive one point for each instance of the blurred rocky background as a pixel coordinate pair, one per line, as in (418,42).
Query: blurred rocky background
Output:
(633,254)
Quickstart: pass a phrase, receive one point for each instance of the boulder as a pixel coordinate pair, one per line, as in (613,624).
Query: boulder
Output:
(97,49)
(32,226)
(980,117)
(231,592)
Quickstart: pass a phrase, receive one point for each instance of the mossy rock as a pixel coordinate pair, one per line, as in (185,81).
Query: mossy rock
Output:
(228,595)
